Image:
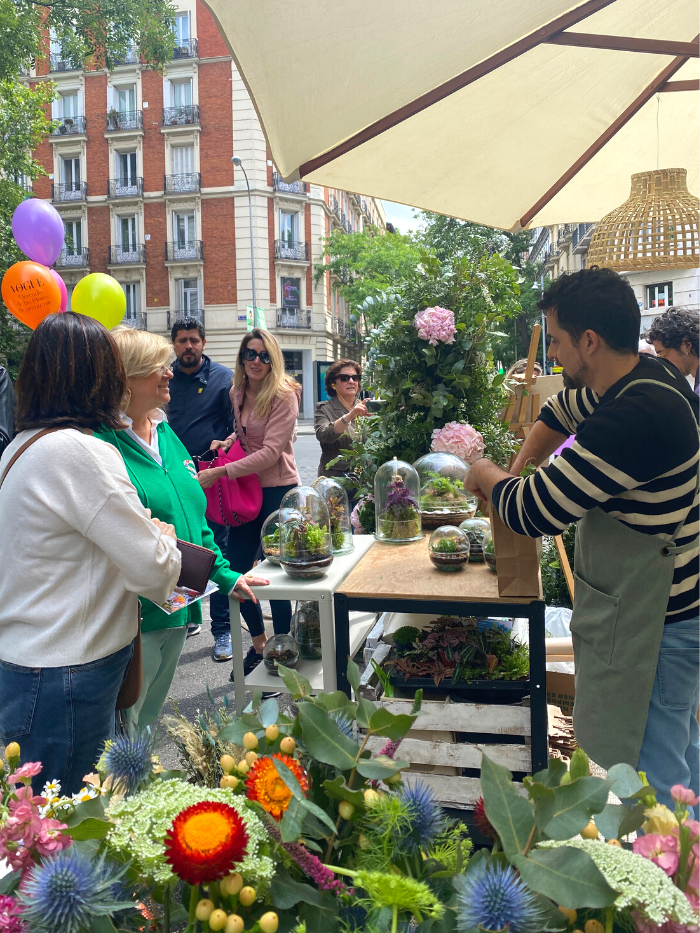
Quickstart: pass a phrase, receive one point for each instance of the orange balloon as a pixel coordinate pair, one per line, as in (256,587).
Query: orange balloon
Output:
(30,292)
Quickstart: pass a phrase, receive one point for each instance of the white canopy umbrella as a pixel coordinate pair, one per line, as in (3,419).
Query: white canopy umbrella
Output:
(512,113)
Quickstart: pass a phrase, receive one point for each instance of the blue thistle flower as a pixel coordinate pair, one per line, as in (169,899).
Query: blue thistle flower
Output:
(128,760)
(492,897)
(66,893)
(344,722)
(426,817)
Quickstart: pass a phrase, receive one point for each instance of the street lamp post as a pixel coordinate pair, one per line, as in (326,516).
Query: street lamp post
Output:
(238,162)
(540,285)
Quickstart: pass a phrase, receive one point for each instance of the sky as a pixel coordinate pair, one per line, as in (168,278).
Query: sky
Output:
(401,216)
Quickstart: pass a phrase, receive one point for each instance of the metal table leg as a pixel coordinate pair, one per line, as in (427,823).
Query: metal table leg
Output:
(538,687)
(234,611)
(342,641)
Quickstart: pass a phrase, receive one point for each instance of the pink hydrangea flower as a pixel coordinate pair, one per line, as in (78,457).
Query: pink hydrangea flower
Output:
(662,850)
(436,325)
(684,795)
(460,439)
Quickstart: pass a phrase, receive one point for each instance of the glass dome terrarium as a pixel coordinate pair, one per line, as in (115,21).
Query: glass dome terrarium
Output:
(396,497)
(449,548)
(339,513)
(476,529)
(443,497)
(305,535)
(306,629)
(280,649)
(270,538)
(489,551)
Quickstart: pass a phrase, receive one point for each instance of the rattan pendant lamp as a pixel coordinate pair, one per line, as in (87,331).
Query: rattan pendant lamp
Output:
(656,227)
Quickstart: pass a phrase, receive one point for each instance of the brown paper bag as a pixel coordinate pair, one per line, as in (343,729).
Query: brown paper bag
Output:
(517,561)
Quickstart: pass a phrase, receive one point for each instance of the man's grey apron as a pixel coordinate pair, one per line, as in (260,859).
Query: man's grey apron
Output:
(623,582)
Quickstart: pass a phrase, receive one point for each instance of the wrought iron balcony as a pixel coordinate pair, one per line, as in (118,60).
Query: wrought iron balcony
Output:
(539,247)
(125,188)
(566,231)
(57,62)
(289,187)
(70,126)
(137,320)
(293,318)
(181,184)
(127,255)
(581,238)
(181,116)
(295,252)
(185,48)
(69,191)
(193,313)
(184,252)
(72,257)
(333,204)
(124,120)
(131,57)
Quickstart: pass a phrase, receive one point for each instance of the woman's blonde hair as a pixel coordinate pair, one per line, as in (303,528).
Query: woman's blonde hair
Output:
(277,383)
(142,353)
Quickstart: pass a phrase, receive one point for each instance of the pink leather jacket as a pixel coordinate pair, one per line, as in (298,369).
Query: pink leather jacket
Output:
(268,442)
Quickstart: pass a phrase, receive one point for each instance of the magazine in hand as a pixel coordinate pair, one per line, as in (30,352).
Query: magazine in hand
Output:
(181,596)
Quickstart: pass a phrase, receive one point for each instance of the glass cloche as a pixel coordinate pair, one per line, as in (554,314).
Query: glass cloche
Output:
(270,538)
(306,629)
(339,512)
(305,545)
(442,492)
(489,551)
(476,530)
(396,498)
(280,649)
(449,548)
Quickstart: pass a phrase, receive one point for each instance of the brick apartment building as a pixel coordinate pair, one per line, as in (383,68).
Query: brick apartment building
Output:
(140,170)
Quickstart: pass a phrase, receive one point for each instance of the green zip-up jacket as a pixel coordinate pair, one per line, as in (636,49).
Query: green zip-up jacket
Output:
(173,495)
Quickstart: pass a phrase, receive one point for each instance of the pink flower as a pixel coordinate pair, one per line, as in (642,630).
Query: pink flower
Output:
(28,770)
(460,439)
(644,925)
(436,324)
(661,850)
(9,916)
(684,795)
(51,839)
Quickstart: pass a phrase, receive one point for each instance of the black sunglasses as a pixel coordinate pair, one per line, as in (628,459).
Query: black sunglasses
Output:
(346,377)
(250,354)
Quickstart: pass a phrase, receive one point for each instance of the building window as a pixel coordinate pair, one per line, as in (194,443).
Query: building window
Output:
(126,169)
(181,93)
(132,292)
(189,297)
(182,28)
(184,230)
(660,296)
(74,237)
(70,173)
(291,291)
(69,106)
(126,99)
(183,160)
(289,227)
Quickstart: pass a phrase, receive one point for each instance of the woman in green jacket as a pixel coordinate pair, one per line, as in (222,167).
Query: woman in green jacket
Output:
(165,479)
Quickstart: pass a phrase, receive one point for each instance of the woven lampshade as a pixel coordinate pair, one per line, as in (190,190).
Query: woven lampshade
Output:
(656,227)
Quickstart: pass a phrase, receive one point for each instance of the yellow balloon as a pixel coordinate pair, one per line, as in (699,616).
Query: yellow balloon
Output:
(101,297)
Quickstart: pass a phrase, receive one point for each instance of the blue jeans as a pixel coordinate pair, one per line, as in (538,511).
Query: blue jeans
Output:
(61,716)
(671,747)
(218,602)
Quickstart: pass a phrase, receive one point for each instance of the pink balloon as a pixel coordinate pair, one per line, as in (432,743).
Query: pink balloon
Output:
(64,291)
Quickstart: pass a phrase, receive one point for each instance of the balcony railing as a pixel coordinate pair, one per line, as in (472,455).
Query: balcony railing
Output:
(565,233)
(289,187)
(185,48)
(125,188)
(131,57)
(127,255)
(69,191)
(347,331)
(539,247)
(71,257)
(293,319)
(124,120)
(184,252)
(333,204)
(137,320)
(186,115)
(70,126)
(196,313)
(181,184)
(57,62)
(581,237)
(296,252)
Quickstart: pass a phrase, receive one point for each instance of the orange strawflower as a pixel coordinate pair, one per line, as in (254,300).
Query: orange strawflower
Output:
(205,841)
(264,784)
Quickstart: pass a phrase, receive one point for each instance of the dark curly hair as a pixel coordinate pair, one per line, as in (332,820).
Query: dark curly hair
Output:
(599,300)
(673,327)
(334,369)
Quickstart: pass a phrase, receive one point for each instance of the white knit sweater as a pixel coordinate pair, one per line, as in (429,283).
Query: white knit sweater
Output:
(76,547)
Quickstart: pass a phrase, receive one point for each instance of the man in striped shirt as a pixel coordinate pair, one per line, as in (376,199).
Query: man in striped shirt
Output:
(633,467)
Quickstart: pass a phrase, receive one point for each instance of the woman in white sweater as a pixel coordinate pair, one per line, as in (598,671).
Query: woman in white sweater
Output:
(76,549)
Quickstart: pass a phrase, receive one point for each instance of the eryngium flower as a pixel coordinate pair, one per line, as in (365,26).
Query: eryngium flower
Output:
(492,897)
(66,893)
(343,722)
(426,818)
(128,760)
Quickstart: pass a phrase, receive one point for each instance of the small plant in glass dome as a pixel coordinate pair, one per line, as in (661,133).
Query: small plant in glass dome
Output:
(449,548)
(280,649)
(336,499)
(305,546)
(489,551)
(400,518)
(306,629)
(476,529)
(270,538)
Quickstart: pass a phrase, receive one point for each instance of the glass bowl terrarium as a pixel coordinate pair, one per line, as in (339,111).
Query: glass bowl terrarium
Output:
(339,513)
(280,649)
(305,537)
(489,551)
(449,548)
(396,496)
(443,498)
(476,529)
(306,629)
(270,538)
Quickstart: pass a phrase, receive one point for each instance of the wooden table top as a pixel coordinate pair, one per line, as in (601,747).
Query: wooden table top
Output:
(404,571)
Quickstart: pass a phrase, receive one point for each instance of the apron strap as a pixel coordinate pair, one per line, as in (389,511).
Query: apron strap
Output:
(672,549)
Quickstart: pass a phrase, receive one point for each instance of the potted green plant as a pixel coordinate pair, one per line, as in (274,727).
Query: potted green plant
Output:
(113,117)
(306,549)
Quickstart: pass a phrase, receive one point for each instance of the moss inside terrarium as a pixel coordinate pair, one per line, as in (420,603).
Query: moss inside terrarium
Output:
(440,492)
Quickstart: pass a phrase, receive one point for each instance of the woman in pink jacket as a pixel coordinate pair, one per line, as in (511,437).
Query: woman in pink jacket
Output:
(265,406)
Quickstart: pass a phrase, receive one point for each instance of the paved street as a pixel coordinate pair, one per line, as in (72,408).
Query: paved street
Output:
(196,670)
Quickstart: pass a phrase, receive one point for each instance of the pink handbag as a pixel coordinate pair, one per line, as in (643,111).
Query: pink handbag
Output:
(232,501)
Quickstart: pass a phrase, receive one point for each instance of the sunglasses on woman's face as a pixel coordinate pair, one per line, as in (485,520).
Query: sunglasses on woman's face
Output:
(250,354)
(346,377)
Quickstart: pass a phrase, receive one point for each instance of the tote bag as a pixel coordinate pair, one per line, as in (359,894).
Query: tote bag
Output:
(232,502)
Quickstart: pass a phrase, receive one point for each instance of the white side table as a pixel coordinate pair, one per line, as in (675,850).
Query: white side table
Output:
(321,674)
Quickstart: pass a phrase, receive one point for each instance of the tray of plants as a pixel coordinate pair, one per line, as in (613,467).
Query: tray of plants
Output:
(466,658)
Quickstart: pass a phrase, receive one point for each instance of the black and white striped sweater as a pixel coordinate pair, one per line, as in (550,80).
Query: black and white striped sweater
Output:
(636,457)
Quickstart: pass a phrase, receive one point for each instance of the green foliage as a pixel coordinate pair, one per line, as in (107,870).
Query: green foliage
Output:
(447,237)
(405,636)
(554,588)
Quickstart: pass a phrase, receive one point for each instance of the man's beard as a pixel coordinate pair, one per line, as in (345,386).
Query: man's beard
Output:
(571,382)
(189,358)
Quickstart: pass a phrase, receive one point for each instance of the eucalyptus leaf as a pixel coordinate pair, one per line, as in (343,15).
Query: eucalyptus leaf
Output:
(378,769)
(365,711)
(233,732)
(93,808)
(633,820)
(625,780)
(339,790)
(319,814)
(551,776)
(580,765)
(609,820)
(354,676)
(566,875)
(286,892)
(89,829)
(571,809)
(269,712)
(295,682)
(512,816)
(389,725)
(324,739)
(289,778)
(336,702)
(290,826)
